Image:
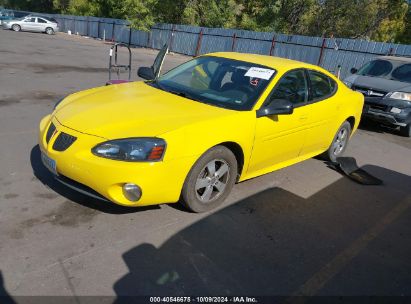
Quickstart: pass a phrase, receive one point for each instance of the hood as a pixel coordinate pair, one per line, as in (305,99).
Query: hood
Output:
(380,84)
(131,110)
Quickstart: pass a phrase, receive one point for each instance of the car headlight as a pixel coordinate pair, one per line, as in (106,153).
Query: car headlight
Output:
(132,149)
(400,96)
(395,110)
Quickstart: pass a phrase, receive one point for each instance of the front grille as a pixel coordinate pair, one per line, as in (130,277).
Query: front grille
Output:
(368,91)
(50,132)
(379,107)
(63,142)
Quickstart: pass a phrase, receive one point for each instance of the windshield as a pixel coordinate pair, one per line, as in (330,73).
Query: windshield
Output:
(395,70)
(218,81)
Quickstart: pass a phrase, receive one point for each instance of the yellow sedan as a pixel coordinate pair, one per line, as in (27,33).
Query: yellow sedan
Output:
(192,133)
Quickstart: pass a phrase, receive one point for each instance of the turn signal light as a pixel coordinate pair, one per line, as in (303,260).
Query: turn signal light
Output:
(156,153)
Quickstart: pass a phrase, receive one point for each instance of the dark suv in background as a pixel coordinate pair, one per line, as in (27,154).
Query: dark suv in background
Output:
(386,85)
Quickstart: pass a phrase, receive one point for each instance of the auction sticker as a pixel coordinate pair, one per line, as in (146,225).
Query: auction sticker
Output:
(261,73)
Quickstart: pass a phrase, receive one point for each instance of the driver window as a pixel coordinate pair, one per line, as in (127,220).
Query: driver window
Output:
(30,20)
(292,87)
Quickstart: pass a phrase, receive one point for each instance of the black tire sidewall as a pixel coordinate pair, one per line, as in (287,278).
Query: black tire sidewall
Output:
(329,154)
(406,131)
(188,196)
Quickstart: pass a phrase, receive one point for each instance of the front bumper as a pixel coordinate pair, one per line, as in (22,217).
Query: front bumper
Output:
(161,182)
(380,112)
(382,117)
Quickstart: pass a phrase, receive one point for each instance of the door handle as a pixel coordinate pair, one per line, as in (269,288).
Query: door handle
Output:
(303,117)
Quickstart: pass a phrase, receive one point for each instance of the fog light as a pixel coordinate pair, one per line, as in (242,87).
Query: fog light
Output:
(132,192)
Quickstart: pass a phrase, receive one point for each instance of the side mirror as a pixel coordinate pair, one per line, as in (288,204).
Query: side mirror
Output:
(146,73)
(276,107)
(353,70)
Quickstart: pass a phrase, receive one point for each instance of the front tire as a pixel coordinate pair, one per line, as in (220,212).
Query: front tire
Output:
(210,180)
(339,143)
(406,131)
(16,27)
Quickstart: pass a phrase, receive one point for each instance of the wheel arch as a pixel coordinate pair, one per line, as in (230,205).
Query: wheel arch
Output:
(351,120)
(238,153)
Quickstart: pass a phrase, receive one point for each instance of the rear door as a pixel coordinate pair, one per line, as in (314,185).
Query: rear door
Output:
(323,106)
(41,24)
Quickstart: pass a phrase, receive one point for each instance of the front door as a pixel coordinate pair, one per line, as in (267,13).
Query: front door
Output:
(29,24)
(280,138)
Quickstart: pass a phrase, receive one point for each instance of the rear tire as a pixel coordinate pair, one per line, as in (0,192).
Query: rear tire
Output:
(339,143)
(49,31)
(16,27)
(406,131)
(210,180)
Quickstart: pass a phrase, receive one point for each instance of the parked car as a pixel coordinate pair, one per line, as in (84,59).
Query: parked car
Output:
(386,84)
(193,132)
(5,15)
(44,17)
(32,24)
(20,14)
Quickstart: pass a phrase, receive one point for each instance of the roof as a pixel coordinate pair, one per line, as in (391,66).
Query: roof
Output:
(396,58)
(276,63)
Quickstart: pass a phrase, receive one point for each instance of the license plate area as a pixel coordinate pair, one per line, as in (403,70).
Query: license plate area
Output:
(49,163)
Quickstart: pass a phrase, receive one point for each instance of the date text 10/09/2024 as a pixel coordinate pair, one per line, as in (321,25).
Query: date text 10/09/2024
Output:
(203,300)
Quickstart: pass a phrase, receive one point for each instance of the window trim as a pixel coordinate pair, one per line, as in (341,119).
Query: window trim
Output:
(266,101)
(310,87)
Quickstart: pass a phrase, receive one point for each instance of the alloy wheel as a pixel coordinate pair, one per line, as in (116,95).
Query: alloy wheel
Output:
(340,141)
(212,180)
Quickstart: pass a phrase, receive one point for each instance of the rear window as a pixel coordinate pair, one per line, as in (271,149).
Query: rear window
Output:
(402,73)
(322,86)
(50,19)
(376,68)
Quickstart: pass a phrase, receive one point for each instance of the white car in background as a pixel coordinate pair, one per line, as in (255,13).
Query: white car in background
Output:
(32,24)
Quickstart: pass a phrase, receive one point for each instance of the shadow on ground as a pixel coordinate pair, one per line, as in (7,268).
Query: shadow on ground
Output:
(273,242)
(372,126)
(5,298)
(42,174)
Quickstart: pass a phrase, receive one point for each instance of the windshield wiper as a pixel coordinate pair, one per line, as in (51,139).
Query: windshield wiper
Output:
(182,94)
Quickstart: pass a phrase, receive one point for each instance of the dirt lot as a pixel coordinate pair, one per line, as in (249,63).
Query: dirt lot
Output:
(302,230)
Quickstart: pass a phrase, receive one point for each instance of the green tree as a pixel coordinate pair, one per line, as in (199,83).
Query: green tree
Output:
(42,6)
(367,19)
(381,20)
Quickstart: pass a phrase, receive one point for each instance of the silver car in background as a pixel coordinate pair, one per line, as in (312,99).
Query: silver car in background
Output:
(32,24)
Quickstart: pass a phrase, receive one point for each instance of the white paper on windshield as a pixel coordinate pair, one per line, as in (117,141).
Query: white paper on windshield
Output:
(261,73)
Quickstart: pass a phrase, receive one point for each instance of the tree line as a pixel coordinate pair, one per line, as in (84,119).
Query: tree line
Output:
(380,20)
